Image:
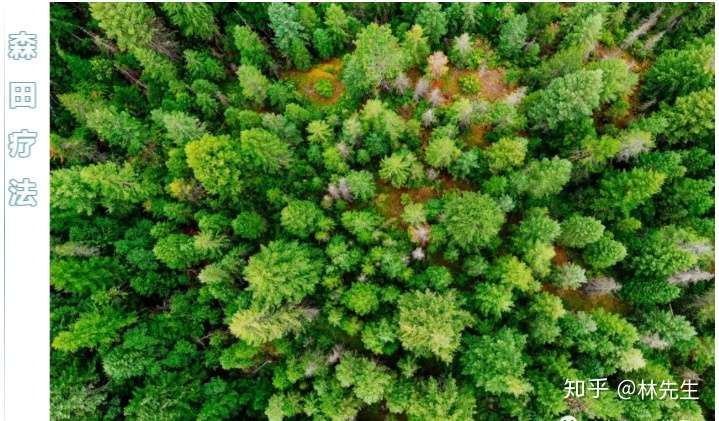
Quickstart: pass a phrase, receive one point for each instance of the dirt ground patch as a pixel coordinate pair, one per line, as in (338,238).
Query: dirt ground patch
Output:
(560,256)
(329,70)
(577,300)
(616,52)
(389,199)
(493,84)
(474,137)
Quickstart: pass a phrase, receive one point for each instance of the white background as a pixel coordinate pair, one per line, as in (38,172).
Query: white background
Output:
(25,304)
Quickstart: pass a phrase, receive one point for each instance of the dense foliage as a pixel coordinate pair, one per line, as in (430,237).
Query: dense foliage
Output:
(380,211)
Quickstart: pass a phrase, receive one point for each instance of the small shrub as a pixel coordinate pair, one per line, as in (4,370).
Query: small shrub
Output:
(324,88)
(470,84)
(512,76)
(477,59)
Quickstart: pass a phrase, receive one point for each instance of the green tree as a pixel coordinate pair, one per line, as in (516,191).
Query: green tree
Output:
(584,32)
(338,25)
(290,35)
(258,151)
(83,189)
(431,324)
(150,44)
(180,127)
(257,327)
(506,153)
(414,214)
(579,231)
(536,227)
(666,330)
(252,51)
(493,300)
(363,224)
(543,178)
(443,399)
(219,180)
(464,17)
(249,225)
(690,120)
(415,46)
(623,191)
(323,43)
(400,168)
(117,128)
(94,329)
(570,276)
(264,151)
(566,100)
(513,36)
(360,184)
(362,298)
(604,252)
(253,83)
(283,271)
(602,356)
(563,62)
(680,72)
(377,58)
(472,220)
(434,21)
(617,79)
(177,251)
(496,363)
(544,312)
(193,19)
(369,381)
(441,152)
(513,273)
(84,276)
(131,25)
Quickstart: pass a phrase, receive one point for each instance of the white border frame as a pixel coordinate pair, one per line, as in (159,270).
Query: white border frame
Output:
(26,246)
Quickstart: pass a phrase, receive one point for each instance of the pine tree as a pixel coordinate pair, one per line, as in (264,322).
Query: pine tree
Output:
(282,272)
(377,58)
(431,324)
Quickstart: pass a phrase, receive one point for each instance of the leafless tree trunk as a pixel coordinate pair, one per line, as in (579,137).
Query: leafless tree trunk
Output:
(647,25)
(690,276)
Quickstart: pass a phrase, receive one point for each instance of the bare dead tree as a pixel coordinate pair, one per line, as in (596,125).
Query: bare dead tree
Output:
(642,29)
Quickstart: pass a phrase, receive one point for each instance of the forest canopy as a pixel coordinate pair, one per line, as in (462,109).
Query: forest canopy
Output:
(401,211)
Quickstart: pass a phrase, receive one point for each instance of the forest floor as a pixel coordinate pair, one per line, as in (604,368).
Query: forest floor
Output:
(328,70)
(389,200)
(578,300)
